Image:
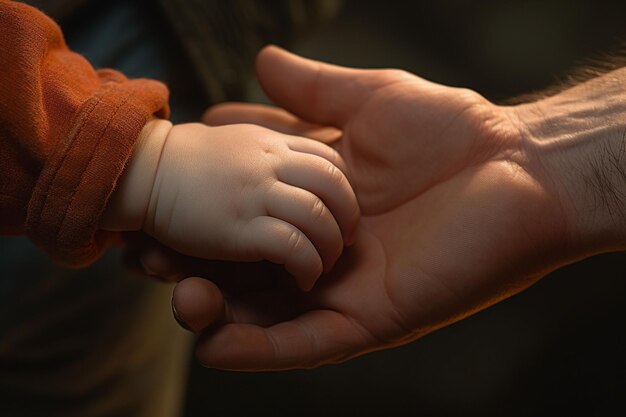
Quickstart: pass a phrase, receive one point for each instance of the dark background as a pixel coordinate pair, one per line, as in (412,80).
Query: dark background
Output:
(557,348)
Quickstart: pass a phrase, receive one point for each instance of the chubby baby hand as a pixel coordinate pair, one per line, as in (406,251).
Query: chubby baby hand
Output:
(240,193)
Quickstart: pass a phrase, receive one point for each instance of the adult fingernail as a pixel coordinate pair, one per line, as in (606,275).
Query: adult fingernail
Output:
(180,321)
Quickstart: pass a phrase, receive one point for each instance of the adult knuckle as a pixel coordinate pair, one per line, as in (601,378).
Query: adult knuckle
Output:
(394,74)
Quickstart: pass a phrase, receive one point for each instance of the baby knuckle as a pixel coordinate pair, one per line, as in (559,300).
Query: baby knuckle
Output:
(334,174)
(294,241)
(318,209)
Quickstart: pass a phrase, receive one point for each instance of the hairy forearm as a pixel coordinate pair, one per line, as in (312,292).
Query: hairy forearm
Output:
(576,141)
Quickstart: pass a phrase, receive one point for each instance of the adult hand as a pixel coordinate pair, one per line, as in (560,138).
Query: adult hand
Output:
(459,213)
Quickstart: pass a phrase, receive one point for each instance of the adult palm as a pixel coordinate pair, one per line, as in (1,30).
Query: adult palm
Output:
(455,218)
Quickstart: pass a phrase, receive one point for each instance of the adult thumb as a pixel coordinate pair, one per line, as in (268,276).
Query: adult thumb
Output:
(317,92)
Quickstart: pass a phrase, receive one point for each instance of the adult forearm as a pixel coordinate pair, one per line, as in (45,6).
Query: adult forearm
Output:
(576,140)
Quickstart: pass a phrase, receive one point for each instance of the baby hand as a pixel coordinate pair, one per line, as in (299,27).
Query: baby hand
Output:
(241,193)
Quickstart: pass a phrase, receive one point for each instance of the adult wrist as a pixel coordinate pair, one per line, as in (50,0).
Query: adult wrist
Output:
(575,143)
(129,202)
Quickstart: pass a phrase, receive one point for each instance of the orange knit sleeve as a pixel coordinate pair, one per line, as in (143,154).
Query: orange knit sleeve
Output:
(66,132)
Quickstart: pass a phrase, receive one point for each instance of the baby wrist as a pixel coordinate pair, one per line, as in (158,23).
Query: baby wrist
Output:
(129,202)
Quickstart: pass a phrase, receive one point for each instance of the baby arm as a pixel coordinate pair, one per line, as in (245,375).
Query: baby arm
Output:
(237,192)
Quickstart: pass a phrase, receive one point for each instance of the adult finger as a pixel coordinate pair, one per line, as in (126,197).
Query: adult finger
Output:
(147,256)
(168,265)
(312,339)
(197,303)
(318,92)
(270,117)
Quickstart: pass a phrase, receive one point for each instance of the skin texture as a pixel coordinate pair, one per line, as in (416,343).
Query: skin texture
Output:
(240,193)
(463,205)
